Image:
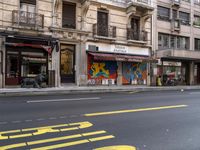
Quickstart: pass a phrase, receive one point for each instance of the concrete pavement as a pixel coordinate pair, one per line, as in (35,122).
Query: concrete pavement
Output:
(89,89)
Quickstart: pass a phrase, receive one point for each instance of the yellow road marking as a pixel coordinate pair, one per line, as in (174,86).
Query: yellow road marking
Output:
(133,110)
(117,147)
(93,133)
(101,138)
(54,140)
(62,145)
(43,130)
(74,143)
(65,138)
(12,146)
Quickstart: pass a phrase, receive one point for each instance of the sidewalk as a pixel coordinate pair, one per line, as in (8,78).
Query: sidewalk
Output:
(89,89)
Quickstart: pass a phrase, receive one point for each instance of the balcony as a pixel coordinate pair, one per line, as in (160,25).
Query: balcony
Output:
(175,24)
(27,19)
(137,37)
(145,4)
(176,3)
(102,32)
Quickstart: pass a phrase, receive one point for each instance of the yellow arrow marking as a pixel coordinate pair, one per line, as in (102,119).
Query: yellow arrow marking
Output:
(133,110)
(117,147)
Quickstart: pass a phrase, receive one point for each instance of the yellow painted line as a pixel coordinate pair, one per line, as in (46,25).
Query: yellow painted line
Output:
(117,147)
(20,136)
(53,139)
(65,137)
(94,133)
(12,146)
(43,130)
(62,145)
(69,129)
(134,110)
(134,92)
(101,138)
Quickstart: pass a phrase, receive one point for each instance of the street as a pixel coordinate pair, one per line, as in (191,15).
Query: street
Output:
(168,120)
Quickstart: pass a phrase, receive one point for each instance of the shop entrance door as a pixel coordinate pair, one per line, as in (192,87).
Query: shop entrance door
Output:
(12,68)
(67,64)
(198,74)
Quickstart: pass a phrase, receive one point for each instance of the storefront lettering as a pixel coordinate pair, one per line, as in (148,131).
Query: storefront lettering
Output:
(120,49)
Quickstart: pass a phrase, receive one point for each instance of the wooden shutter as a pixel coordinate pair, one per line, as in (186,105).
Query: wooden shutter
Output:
(69,15)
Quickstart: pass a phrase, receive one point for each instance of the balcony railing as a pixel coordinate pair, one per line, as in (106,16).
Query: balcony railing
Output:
(109,31)
(28,19)
(137,36)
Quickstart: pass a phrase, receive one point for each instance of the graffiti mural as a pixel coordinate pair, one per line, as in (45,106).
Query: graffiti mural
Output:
(101,69)
(134,73)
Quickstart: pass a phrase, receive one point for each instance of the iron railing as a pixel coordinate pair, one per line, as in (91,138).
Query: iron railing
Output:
(137,36)
(28,19)
(109,31)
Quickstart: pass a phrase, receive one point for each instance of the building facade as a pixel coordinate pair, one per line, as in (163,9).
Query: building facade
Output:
(177,34)
(84,42)
(118,50)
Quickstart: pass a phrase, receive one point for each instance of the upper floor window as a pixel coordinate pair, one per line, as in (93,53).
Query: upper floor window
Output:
(186,0)
(166,41)
(184,17)
(197,44)
(197,2)
(102,23)
(163,13)
(27,11)
(69,15)
(174,14)
(196,20)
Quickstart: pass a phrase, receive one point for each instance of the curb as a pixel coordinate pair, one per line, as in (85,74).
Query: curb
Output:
(101,90)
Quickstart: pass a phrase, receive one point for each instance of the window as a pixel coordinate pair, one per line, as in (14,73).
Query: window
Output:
(163,41)
(166,41)
(163,13)
(197,2)
(197,44)
(174,14)
(196,20)
(182,43)
(69,15)
(184,17)
(186,0)
(27,12)
(102,23)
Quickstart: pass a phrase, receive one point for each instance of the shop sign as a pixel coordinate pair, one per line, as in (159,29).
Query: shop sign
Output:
(168,63)
(119,49)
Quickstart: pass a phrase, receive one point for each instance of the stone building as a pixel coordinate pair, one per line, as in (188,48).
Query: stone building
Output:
(83,42)
(177,44)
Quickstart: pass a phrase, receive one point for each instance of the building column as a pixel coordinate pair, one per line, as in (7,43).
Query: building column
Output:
(119,73)
(2,62)
(191,68)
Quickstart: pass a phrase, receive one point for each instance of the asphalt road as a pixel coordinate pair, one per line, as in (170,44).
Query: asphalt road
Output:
(146,121)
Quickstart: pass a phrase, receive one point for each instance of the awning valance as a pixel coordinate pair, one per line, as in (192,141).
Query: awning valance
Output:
(46,48)
(119,57)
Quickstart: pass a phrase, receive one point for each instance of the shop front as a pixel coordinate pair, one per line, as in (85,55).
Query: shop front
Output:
(25,59)
(116,69)
(174,73)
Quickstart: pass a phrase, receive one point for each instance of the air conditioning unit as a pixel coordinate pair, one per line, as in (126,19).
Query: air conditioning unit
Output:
(176,25)
(93,48)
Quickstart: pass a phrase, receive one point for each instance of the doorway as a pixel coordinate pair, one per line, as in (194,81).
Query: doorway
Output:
(67,63)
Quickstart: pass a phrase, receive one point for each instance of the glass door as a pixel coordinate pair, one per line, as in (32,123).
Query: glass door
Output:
(67,64)
(12,68)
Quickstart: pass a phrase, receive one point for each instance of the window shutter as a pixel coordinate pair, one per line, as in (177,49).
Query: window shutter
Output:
(69,15)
